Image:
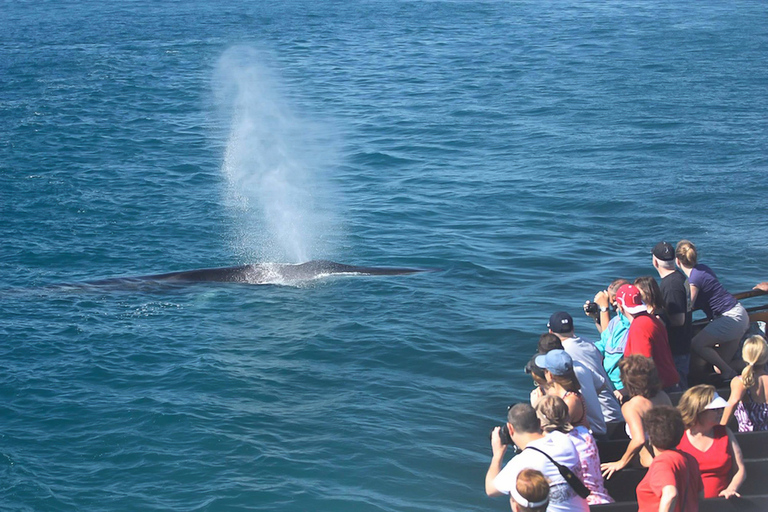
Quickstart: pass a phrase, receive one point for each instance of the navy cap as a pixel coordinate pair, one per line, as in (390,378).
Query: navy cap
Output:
(557,361)
(664,251)
(560,322)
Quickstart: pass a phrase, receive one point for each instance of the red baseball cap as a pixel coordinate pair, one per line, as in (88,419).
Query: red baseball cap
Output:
(629,298)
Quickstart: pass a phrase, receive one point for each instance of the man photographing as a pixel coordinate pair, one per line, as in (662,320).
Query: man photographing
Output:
(525,432)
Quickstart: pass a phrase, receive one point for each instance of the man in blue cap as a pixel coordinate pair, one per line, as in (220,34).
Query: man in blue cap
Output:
(588,366)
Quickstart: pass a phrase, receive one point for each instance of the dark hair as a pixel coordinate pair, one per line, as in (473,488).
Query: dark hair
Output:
(639,376)
(523,419)
(549,341)
(532,368)
(651,293)
(664,426)
(568,381)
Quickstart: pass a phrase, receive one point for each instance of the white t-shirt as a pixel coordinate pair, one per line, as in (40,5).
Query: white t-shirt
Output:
(562,498)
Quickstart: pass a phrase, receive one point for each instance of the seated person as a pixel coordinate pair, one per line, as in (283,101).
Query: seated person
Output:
(652,298)
(553,414)
(613,337)
(749,391)
(673,481)
(647,335)
(525,431)
(539,381)
(587,355)
(562,382)
(718,342)
(713,445)
(530,493)
(643,387)
(588,383)
(676,295)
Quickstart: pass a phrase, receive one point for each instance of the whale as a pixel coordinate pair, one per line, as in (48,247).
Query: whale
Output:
(261,273)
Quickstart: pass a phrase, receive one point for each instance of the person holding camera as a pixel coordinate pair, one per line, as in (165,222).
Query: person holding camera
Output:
(599,308)
(613,335)
(523,430)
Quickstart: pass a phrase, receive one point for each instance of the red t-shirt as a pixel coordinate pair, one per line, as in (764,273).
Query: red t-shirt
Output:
(648,336)
(714,464)
(671,467)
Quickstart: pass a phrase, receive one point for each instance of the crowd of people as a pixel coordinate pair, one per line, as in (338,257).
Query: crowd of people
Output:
(618,386)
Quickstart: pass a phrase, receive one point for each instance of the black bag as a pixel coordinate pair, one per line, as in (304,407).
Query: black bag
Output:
(576,484)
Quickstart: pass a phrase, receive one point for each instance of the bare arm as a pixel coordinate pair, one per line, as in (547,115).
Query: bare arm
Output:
(668,498)
(604,316)
(741,470)
(761,286)
(575,408)
(737,393)
(495,468)
(635,423)
(694,293)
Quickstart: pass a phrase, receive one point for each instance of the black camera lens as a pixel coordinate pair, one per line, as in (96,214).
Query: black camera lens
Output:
(591,307)
(504,435)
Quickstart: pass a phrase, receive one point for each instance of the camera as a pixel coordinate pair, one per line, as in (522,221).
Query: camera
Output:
(504,436)
(591,307)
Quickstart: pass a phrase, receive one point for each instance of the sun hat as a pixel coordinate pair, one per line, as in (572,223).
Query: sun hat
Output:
(557,361)
(629,298)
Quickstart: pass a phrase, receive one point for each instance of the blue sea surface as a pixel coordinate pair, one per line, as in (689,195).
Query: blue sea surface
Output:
(529,151)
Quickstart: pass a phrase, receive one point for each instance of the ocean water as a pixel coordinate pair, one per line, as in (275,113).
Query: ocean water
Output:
(528,151)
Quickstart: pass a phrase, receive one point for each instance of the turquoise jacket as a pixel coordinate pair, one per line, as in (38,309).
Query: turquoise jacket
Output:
(611,345)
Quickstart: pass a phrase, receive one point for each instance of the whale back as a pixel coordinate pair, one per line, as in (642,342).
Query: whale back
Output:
(262,273)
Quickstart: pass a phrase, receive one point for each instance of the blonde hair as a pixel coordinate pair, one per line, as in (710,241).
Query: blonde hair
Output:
(693,402)
(533,487)
(754,353)
(686,253)
(553,414)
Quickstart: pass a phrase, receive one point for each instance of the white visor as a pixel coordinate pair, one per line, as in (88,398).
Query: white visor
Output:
(717,402)
(524,502)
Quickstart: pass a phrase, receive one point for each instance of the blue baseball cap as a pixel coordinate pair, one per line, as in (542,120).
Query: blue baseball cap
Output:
(557,361)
